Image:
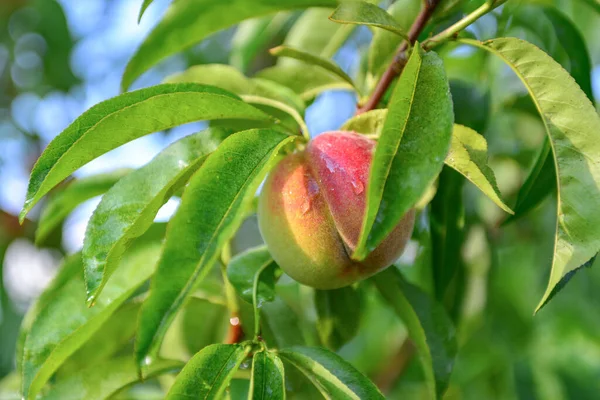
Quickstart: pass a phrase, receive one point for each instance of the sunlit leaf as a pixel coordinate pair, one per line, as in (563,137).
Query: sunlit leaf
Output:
(114,122)
(68,198)
(541,181)
(367,123)
(384,43)
(129,207)
(307,81)
(283,51)
(231,79)
(411,149)
(212,208)
(468,155)
(280,325)
(268,378)
(116,332)
(187,22)
(208,373)
(253,265)
(334,377)
(338,315)
(145,5)
(572,125)
(64,322)
(428,325)
(314,33)
(252,36)
(363,13)
(100,381)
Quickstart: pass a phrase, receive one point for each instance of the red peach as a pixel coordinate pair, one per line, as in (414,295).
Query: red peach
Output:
(311,210)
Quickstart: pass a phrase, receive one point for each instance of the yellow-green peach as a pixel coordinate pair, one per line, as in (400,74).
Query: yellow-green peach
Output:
(311,210)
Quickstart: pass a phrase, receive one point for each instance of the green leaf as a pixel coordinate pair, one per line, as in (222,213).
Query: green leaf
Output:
(231,79)
(145,5)
(571,122)
(101,381)
(253,265)
(187,22)
(447,223)
(69,197)
(203,323)
(207,374)
(428,325)
(334,377)
(305,80)
(411,150)
(314,33)
(384,43)
(595,4)
(268,378)
(64,323)
(113,336)
(540,182)
(311,59)
(573,43)
(212,208)
(124,118)
(129,207)
(367,123)
(362,13)
(542,178)
(280,324)
(338,315)
(468,155)
(252,36)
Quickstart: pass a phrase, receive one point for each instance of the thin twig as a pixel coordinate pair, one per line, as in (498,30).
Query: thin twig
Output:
(397,65)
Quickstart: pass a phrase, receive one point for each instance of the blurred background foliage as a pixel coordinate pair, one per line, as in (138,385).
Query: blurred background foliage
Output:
(57,58)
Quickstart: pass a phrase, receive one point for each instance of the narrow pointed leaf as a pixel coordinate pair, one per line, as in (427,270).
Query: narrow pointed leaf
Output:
(412,147)
(124,118)
(68,198)
(367,123)
(252,37)
(363,13)
(145,5)
(187,22)
(212,208)
(250,266)
(101,381)
(283,51)
(208,373)
(231,79)
(384,43)
(334,377)
(573,127)
(129,207)
(55,334)
(268,378)
(307,81)
(314,33)
(468,155)
(338,315)
(112,337)
(428,326)
(541,181)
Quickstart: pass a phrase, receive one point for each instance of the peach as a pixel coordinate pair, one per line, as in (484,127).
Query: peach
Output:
(311,209)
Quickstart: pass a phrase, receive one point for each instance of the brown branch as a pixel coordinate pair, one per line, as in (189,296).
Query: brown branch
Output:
(397,65)
(235,333)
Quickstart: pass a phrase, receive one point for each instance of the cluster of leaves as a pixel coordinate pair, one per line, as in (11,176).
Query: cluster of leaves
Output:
(425,151)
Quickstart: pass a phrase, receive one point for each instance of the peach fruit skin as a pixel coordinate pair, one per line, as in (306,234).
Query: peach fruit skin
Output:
(311,208)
